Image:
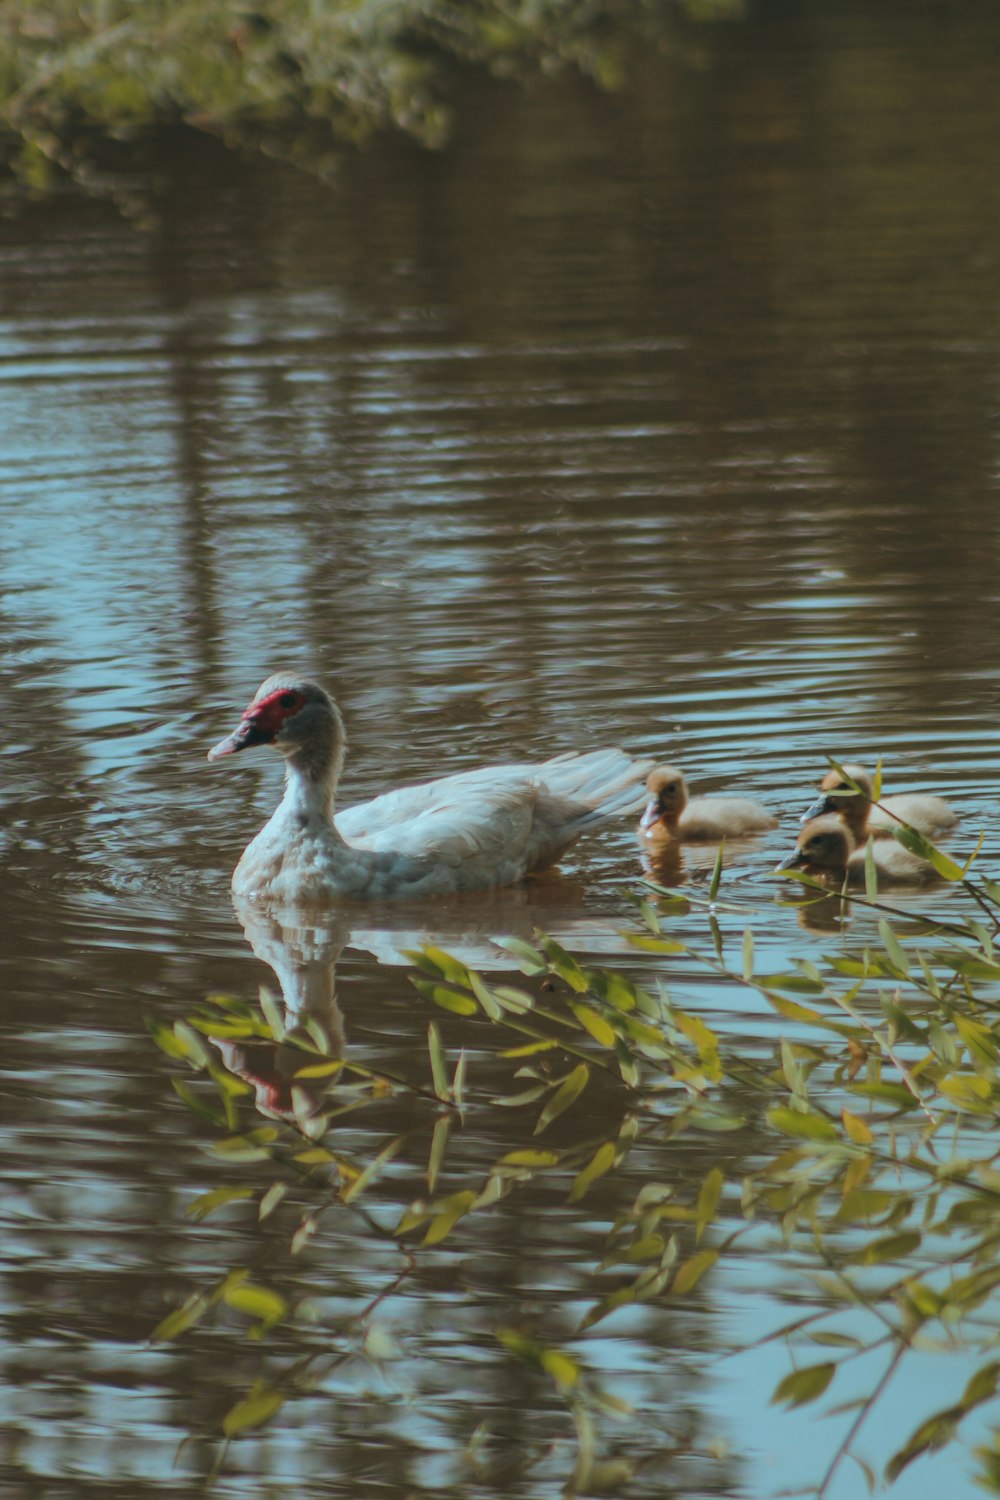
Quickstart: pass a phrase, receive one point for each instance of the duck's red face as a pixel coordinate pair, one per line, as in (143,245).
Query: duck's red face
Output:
(262,723)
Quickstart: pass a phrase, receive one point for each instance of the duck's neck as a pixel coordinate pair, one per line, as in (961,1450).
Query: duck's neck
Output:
(854,815)
(312,772)
(308,796)
(672,813)
(299,856)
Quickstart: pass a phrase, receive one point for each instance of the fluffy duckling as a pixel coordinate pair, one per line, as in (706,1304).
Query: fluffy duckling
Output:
(826,848)
(930,815)
(670,816)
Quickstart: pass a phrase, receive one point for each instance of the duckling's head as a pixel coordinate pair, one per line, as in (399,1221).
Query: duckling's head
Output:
(837,795)
(667,798)
(824,845)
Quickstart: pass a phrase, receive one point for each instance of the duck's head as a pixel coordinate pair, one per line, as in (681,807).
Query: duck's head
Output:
(297,717)
(824,845)
(836,793)
(667,798)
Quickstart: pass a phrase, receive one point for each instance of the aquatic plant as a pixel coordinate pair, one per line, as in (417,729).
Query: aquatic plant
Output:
(870,1119)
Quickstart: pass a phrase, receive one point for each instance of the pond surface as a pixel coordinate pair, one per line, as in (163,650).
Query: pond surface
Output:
(666,418)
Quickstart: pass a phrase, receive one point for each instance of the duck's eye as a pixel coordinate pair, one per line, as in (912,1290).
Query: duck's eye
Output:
(288,700)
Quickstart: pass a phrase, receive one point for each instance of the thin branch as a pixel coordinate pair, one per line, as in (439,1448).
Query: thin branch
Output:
(867,1407)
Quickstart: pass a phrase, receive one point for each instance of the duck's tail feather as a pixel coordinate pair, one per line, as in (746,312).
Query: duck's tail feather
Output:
(605,784)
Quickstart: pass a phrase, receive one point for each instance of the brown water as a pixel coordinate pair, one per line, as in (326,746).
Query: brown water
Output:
(666,418)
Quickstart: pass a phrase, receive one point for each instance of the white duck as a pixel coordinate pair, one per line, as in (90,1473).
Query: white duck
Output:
(929,814)
(461,833)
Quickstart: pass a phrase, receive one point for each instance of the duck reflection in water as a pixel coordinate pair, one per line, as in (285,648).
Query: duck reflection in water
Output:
(302,946)
(820,913)
(303,957)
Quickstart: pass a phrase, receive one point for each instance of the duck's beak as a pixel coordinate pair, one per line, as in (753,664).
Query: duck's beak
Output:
(791,861)
(823,804)
(652,815)
(248,732)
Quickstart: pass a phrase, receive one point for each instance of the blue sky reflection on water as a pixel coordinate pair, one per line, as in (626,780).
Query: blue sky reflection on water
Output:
(699,457)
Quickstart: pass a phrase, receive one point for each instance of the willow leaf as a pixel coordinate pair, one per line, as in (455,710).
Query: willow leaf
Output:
(708,1201)
(181,1319)
(690,1273)
(272,1014)
(257,1302)
(856,1128)
(893,948)
(716,880)
(602,1161)
(207,1203)
(593,1022)
(271,1199)
(439,1072)
(447,1215)
(565,966)
(254,1410)
(564,1370)
(529,960)
(889,1247)
(439,1144)
(450,968)
(485,996)
(918,844)
(803,1386)
(569,1090)
(747,953)
(527,1158)
(457,1001)
(803,1124)
(372,1170)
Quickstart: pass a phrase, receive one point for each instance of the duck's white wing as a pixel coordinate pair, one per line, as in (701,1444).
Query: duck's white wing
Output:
(602,782)
(463,826)
(367,821)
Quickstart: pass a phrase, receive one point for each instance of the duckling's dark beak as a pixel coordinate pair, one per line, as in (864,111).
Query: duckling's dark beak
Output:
(248,732)
(652,814)
(823,804)
(792,861)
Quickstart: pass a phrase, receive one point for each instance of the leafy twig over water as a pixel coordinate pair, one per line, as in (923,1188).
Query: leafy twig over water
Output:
(873,1122)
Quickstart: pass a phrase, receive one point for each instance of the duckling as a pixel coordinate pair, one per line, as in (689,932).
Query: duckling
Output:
(930,815)
(825,848)
(670,816)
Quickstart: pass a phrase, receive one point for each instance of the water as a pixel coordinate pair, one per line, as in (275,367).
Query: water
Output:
(665,418)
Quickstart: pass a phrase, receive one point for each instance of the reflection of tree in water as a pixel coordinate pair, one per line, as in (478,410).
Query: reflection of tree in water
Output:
(454,467)
(49,805)
(304,961)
